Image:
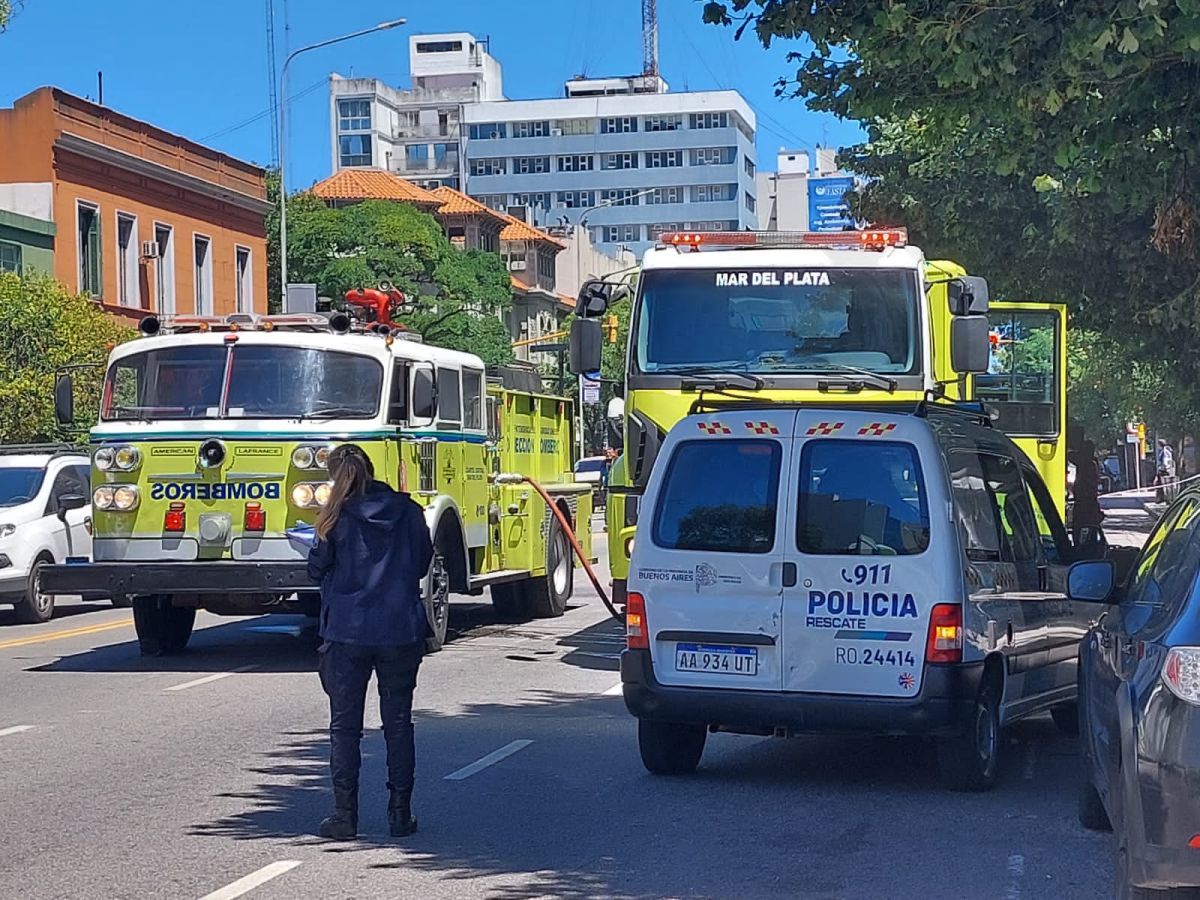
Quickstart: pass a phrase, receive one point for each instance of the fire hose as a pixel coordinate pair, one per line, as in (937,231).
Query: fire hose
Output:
(565,523)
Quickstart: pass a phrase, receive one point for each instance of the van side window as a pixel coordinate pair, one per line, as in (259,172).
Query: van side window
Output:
(720,496)
(472,399)
(1056,545)
(861,497)
(398,401)
(449,398)
(992,507)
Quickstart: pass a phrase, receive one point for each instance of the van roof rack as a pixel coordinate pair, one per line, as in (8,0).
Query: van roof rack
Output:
(53,449)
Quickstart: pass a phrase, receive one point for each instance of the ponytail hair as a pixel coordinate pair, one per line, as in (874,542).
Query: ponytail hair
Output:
(352,472)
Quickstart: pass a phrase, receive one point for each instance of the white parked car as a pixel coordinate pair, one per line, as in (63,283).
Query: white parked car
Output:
(45,517)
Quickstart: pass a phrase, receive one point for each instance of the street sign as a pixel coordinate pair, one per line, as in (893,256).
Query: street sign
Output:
(827,207)
(591,391)
(549,348)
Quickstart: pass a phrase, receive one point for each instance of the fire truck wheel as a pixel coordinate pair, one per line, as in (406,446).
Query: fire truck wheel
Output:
(162,628)
(548,596)
(440,601)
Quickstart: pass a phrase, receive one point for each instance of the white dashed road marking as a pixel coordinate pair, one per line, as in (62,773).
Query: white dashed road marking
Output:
(615,690)
(254,879)
(1016,871)
(209,679)
(14,729)
(490,760)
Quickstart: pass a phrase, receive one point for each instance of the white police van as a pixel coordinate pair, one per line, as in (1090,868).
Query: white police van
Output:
(816,570)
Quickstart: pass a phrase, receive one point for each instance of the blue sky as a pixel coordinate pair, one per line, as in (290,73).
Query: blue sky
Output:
(198,67)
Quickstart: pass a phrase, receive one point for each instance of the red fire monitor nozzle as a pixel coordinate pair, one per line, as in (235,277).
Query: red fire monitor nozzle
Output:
(380,304)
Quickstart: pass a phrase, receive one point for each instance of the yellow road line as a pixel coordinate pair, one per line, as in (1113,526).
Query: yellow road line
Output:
(60,635)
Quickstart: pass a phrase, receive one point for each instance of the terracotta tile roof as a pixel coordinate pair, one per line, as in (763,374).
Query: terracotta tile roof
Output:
(372,184)
(456,203)
(518,285)
(516,230)
(567,300)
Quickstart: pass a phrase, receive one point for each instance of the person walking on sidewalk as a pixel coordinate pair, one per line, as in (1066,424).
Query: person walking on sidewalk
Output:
(371,551)
(1166,471)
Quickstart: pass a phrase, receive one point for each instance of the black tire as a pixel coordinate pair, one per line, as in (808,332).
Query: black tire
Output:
(163,629)
(35,607)
(548,596)
(1092,814)
(510,600)
(1066,718)
(670,748)
(971,761)
(438,609)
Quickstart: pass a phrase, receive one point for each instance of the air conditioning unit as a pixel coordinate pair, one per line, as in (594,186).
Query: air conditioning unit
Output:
(516,265)
(150,250)
(555,132)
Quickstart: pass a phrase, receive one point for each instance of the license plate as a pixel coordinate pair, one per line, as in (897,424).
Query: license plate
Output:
(715,658)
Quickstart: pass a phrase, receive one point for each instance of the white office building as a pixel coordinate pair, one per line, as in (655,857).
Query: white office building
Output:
(624,157)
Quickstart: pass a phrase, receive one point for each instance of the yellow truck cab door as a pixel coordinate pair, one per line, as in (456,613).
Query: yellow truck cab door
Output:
(1026,384)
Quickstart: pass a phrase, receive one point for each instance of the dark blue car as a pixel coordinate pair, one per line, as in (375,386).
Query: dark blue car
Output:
(1139,708)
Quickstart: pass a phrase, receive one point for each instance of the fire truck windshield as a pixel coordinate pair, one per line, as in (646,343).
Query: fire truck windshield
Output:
(778,320)
(251,381)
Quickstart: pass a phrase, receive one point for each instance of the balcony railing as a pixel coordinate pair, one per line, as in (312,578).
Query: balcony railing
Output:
(438,133)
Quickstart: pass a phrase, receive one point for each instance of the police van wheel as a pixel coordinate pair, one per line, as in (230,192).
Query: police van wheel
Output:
(1066,718)
(548,596)
(970,761)
(670,748)
(162,628)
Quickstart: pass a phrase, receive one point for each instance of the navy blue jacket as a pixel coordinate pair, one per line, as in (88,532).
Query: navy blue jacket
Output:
(370,569)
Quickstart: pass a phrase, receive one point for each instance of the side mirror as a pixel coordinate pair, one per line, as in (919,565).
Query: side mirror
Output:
(585,346)
(970,350)
(422,401)
(968,296)
(1091,582)
(595,297)
(68,502)
(64,400)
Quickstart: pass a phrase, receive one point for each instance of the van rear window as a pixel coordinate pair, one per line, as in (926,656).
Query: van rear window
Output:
(861,498)
(720,496)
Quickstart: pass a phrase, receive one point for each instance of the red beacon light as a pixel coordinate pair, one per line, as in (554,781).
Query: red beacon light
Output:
(870,239)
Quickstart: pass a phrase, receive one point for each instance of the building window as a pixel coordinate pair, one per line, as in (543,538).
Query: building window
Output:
(442,154)
(581,163)
(203,276)
(715,225)
(619,161)
(530,129)
(493,201)
(439,47)
(748,165)
(620,197)
(743,128)
(713,193)
(710,120)
(576,126)
(129,291)
(165,268)
(531,165)
(488,131)
(87,219)
(751,203)
(713,156)
(355,149)
(245,285)
(354,115)
(664,159)
(541,199)
(618,125)
(663,123)
(665,195)
(10,257)
(577,199)
(498,166)
(659,229)
(545,263)
(622,233)
(417,156)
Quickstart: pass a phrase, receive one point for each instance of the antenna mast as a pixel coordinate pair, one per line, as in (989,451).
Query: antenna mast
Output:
(272,80)
(649,37)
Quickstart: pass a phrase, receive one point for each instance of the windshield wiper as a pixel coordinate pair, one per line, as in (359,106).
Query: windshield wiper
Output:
(878,378)
(715,379)
(333,412)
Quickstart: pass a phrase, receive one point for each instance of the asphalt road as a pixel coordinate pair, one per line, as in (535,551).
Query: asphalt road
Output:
(204,776)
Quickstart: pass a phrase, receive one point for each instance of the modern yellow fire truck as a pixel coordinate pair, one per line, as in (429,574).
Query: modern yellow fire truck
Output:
(209,462)
(854,319)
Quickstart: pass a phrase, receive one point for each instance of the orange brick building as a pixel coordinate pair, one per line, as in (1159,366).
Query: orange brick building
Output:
(144,220)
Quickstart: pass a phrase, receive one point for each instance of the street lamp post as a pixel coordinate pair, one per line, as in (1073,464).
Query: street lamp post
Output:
(283,267)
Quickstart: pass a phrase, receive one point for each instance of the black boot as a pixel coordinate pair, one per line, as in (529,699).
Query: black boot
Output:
(401,821)
(343,824)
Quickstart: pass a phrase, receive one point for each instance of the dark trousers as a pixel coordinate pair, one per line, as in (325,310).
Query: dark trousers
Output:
(345,670)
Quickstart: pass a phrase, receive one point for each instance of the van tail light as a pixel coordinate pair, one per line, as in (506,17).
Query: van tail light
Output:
(256,518)
(945,644)
(637,636)
(1181,672)
(1194,843)
(175,518)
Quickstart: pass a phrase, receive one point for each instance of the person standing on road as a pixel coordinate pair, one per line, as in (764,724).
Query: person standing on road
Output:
(1166,470)
(372,549)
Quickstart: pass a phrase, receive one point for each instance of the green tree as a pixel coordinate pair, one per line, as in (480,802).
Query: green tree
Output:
(457,297)
(47,327)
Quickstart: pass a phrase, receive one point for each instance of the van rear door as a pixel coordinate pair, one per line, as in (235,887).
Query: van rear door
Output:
(869,529)
(708,557)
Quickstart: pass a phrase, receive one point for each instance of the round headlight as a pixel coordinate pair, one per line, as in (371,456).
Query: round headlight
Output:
(321,494)
(302,495)
(125,497)
(128,458)
(105,459)
(103,497)
(302,457)
(322,456)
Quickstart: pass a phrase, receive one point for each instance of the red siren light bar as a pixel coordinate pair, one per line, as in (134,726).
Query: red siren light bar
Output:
(870,239)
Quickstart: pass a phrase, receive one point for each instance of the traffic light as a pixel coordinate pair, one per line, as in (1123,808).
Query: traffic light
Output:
(611,328)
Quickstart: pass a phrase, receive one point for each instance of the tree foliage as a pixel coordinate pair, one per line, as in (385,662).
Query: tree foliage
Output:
(1047,145)
(45,328)
(457,296)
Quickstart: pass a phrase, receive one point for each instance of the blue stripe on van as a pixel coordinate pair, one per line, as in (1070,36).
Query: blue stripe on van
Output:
(899,636)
